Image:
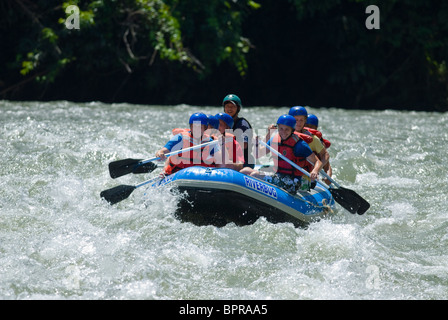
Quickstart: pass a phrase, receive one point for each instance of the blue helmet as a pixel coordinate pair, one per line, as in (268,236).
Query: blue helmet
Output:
(312,119)
(287,120)
(213,121)
(199,117)
(298,111)
(226,118)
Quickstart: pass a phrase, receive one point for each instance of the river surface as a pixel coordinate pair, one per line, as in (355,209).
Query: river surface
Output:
(59,240)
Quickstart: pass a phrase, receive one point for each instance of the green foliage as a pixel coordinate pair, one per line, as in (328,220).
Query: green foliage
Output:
(127,32)
(289,50)
(412,40)
(213,31)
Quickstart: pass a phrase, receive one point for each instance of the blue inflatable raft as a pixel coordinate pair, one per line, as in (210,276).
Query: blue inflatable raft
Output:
(219,196)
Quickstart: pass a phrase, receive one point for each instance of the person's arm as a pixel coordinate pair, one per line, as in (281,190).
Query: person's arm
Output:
(271,129)
(174,143)
(268,139)
(161,153)
(213,155)
(302,149)
(317,166)
(324,156)
(262,151)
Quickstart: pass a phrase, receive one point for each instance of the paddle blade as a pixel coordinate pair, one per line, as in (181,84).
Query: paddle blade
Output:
(363,207)
(145,168)
(117,194)
(350,200)
(122,167)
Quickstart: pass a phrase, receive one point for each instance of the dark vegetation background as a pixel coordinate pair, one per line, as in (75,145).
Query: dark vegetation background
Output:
(269,52)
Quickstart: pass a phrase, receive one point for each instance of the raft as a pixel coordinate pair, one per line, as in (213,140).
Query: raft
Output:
(218,196)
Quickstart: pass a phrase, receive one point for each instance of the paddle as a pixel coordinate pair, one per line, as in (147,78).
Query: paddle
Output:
(122,167)
(121,192)
(347,198)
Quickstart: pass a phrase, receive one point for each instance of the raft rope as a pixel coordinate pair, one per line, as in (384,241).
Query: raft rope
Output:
(325,206)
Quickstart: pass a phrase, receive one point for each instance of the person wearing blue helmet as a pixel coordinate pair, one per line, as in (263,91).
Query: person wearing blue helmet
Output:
(241,127)
(188,138)
(301,115)
(291,145)
(225,121)
(213,122)
(312,121)
(212,126)
(232,153)
(311,125)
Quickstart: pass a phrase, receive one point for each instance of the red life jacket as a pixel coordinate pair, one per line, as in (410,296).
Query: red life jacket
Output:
(179,130)
(189,158)
(304,137)
(286,148)
(231,146)
(318,134)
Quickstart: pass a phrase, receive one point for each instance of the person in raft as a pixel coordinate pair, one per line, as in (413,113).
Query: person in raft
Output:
(212,128)
(232,153)
(200,157)
(301,116)
(241,127)
(293,147)
(311,125)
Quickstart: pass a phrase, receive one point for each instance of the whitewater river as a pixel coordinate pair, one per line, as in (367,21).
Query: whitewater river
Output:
(59,240)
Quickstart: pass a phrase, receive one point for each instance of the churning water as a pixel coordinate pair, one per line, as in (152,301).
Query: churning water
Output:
(59,240)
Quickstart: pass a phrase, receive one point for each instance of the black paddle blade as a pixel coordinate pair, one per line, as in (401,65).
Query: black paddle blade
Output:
(350,200)
(363,207)
(117,194)
(122,167)
(145,168)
